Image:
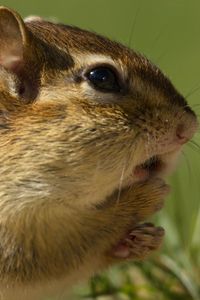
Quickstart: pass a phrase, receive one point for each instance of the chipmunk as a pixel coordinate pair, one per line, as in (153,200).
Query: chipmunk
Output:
(88,129)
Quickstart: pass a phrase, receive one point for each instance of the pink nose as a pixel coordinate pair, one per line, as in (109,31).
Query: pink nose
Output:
(183,134)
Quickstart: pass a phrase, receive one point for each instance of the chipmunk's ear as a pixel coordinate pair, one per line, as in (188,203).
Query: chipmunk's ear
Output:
(17,53)
(13,40)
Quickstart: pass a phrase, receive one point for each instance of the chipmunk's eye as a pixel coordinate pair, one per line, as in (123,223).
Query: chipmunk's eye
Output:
(104,79)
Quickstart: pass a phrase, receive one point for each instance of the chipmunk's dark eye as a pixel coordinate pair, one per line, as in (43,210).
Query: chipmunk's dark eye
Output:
(104,79)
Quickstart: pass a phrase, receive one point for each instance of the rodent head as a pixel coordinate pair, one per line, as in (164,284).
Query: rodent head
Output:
(84,115)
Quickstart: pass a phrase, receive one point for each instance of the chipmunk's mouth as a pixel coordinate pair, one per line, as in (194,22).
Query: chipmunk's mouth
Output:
(154,166)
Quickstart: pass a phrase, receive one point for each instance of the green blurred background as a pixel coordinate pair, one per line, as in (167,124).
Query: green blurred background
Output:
(168,32)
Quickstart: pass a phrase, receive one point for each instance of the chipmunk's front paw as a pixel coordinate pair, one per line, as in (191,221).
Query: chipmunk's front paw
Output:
(149,198)
(139,243)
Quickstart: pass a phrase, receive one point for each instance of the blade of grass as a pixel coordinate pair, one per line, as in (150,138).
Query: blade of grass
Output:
(182,276)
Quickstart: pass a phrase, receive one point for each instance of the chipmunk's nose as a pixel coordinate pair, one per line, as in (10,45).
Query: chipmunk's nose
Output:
(184,133)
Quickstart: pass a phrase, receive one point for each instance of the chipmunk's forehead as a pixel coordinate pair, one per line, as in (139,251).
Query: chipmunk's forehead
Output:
(73,39)
(85,48)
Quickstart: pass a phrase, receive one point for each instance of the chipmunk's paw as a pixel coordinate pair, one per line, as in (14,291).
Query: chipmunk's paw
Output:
(149,198)
(139,243)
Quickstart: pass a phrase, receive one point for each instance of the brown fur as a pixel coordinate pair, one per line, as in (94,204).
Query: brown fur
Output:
(67,192)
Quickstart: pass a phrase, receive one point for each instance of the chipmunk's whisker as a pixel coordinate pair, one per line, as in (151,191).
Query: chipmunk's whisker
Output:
(192,91)
(194,145)
(187,164)
(120,183)
(133,26)
(194,105)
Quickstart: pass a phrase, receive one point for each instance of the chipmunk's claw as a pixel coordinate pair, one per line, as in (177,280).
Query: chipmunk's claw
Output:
(140,242)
